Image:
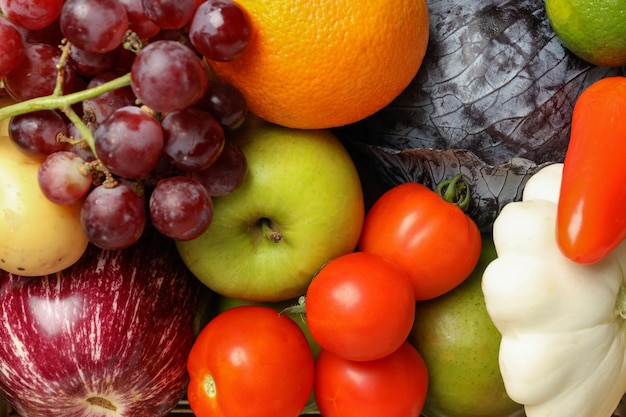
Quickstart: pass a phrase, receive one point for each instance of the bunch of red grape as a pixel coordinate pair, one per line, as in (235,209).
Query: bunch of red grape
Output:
(139,131)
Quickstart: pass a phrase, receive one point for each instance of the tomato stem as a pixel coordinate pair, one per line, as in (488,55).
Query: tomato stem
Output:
(456,190)
(310,408)
(299,308)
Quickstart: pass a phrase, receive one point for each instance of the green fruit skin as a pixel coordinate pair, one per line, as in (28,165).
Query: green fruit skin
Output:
(460,345)
(302,182)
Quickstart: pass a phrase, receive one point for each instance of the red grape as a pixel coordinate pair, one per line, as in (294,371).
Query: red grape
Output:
(12,50)
(94,25)
(50,34)
(91,64)
(159,147)
(114,217)
(193,138)
(129,142)
(168,76)
(31,14)
(138,22)
(226,103)
(61,180)
(36,76)
(180,208)
(169,14)
(78,145)
(176,35)
(35,133)
(226,174)
(220,30)
(103,105)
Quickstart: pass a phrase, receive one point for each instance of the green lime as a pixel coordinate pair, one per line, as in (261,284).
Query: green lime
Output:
(594,30)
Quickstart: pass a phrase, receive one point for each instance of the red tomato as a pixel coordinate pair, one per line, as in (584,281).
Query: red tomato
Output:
(250,360)
(393,386)
(360,306)
(430,238)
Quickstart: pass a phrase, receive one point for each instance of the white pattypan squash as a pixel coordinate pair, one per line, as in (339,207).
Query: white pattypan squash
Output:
(563,343)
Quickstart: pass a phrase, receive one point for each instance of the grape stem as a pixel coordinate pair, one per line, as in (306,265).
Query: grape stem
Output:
(58,101)
(65,54)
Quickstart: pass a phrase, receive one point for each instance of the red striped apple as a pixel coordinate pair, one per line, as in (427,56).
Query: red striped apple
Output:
(109,336)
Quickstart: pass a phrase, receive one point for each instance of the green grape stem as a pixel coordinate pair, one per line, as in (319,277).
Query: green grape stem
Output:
(57,101)
(61,102)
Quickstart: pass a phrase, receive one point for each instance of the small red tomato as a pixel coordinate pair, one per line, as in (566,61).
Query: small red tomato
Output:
(250,359)
(427,236)
(360,306)
(393,386)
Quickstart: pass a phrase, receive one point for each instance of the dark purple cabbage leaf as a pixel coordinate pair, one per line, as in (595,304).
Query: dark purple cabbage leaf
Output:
(493,99)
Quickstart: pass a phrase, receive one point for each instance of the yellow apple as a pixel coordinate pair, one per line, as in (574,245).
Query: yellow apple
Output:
(37,237)
(4,123)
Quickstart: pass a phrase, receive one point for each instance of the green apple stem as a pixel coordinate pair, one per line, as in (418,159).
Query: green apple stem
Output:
(270,230)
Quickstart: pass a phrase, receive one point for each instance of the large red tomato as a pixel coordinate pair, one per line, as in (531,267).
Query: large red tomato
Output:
(360,306)
(250,360)
(430,238)
(393,386)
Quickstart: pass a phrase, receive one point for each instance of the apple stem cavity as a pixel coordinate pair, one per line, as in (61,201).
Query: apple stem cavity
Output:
(456,190)
(270,230)
(102,402)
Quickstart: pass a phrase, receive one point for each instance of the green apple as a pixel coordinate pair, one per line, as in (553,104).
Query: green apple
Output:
(300,205)
(460,346)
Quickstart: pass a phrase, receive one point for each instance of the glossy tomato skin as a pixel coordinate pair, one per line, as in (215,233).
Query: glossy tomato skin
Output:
(393,386)
(250,360)
(360,306)
(433,240)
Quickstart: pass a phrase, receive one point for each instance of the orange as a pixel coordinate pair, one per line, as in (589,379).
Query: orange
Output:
(315,64)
